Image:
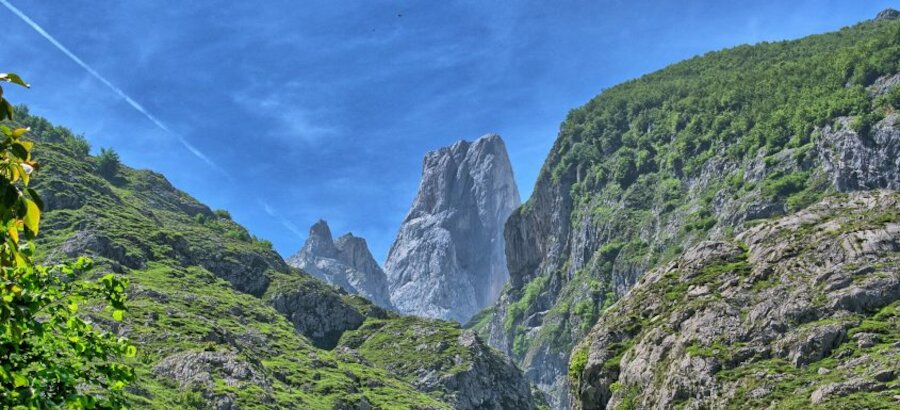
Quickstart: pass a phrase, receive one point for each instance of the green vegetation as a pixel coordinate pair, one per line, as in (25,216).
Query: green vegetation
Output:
(577,363)
(108,163)
(705,103)
(406,344)
(790,386)
(195,285)
(660,163)
(50,356)
(531,292)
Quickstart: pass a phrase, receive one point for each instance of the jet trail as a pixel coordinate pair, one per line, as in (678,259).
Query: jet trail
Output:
(134,104)
(281,219)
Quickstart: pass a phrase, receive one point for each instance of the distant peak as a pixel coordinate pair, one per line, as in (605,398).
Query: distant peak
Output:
(490,137)
(489,140)
(320,229)
(888,14)
(349,237)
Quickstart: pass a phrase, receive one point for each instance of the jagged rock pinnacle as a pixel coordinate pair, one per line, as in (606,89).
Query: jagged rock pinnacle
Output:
(346,262)
(449,260)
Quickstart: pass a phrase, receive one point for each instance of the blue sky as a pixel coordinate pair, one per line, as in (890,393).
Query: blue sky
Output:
(324,109)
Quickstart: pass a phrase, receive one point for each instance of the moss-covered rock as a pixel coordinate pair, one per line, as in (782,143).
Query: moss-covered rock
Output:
(797,311)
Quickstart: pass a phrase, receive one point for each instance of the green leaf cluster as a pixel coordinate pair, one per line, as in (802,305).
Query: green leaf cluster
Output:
(50,355)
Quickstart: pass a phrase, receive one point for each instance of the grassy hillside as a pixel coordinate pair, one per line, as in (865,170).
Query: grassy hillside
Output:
(219,319)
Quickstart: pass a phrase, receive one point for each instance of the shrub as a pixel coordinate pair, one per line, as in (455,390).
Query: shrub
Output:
(108,163)
(263,243)
(238,234)
(79,146)
(785,185)
(221,213)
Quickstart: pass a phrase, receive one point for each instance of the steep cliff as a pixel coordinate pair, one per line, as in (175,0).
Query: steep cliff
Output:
(448,260)
(346,262)
(799,311)
(703,149)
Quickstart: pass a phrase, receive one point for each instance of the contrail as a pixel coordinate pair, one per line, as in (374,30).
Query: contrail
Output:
(274,214)
(134,104)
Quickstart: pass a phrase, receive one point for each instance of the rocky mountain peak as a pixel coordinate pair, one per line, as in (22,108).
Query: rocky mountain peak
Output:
(354,251)
(347,263)
(320,242)
(448,260)
(887,14)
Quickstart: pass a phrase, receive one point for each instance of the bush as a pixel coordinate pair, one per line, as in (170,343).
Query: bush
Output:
(221,213)
(893,97)
(263,243)
(238,234)
(802,199)
(785,185)
(79,146)
(108,163)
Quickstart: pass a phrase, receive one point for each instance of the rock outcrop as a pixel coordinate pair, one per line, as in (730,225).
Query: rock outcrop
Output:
(854,162)
(439,358)
(318,311)
(448,260)
(798,311)
(346,262)
(888,14)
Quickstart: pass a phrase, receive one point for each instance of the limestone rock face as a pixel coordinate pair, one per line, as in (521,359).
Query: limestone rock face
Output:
(449,260)
(804,291)
(346,262)
(855,162)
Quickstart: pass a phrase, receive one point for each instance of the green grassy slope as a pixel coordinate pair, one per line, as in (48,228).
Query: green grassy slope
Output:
(202,299)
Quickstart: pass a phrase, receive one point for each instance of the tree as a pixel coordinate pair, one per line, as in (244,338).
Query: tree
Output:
(108,162)
(50,356)
(79,146)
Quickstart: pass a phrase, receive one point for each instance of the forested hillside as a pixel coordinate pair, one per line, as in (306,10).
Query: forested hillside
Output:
(703,149)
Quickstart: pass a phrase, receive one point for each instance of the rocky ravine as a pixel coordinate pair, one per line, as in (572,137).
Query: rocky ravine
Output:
(799,311)
(346,262)
(449,260)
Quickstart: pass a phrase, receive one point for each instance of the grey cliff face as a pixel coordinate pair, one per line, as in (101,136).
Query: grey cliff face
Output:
(346,262)
(803,290)
(854,162)
(448,260)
